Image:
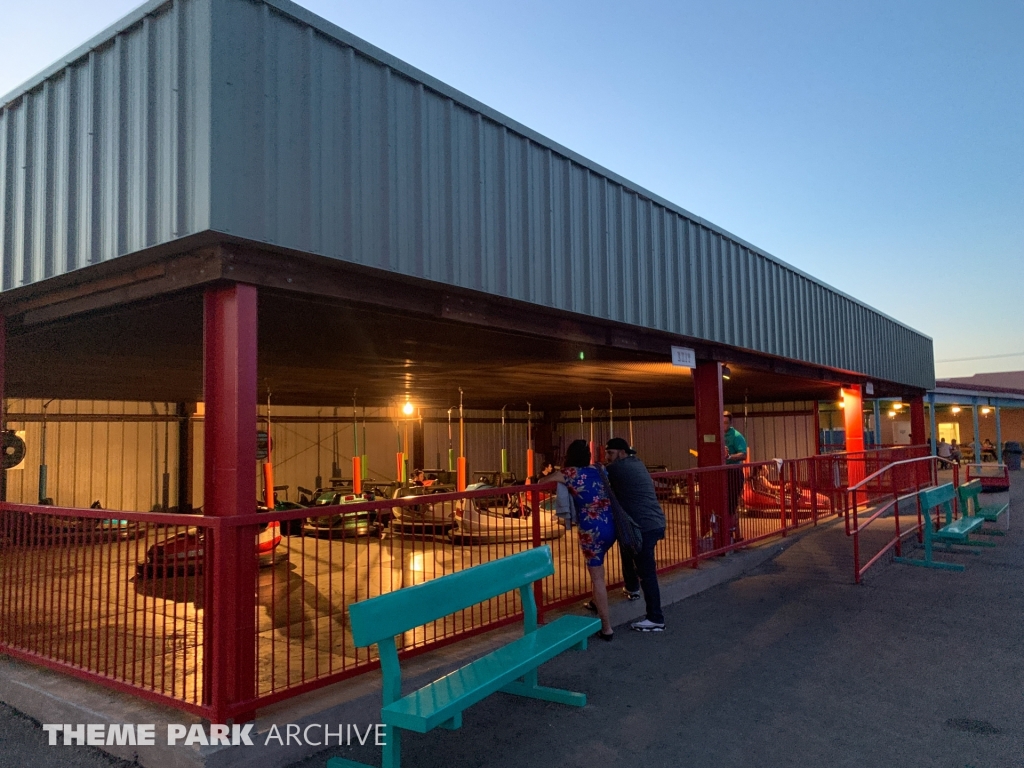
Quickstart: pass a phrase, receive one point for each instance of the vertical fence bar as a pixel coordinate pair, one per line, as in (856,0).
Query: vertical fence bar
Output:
(538,586)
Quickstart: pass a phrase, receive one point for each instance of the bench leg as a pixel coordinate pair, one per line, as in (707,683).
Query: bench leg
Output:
(990,532)
(975,543)
(391,752)
(341,762)
(454,724)
(556,695)
(527,686)
(929,564)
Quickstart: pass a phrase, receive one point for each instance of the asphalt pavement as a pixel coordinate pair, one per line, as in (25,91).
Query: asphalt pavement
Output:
(790,665)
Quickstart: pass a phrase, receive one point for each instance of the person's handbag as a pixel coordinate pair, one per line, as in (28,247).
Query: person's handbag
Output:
(627,532)
(565,506)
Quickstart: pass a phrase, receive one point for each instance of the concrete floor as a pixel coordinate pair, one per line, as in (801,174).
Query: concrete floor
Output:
(791,665)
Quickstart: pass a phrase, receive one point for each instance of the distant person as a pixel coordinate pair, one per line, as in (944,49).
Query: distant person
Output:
(418,479)
(735,456)
(943,450)
(594,517)
(634,488)
(988,450)
(955,453)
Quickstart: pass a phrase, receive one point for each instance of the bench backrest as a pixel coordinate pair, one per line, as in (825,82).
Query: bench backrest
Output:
(391,614)
(933,497)
(969,492)
(941,496)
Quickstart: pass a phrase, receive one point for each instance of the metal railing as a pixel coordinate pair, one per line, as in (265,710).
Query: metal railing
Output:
(880,495)
(125,599)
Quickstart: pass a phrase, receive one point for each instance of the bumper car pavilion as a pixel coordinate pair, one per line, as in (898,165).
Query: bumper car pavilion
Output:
(225,219)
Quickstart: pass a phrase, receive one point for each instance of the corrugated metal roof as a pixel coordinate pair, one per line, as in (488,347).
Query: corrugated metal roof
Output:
(258,119)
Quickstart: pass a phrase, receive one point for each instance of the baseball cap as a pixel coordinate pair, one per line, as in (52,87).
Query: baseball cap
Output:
(618,444)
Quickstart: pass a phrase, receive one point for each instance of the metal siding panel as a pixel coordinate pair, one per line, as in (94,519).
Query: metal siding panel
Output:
(138,141)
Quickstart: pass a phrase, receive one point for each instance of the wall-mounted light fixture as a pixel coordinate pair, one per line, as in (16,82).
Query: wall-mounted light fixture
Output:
(726,373)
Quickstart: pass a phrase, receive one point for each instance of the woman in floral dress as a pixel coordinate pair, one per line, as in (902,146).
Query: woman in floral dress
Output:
(594,517)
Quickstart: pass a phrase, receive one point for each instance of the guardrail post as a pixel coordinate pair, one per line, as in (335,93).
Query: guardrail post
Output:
(229,483)
(538,586)
(692,519)
(896,513)
(782,496)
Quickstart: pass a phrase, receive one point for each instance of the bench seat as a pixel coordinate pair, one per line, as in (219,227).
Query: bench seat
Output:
(444,700)
(960,529)
(970,499)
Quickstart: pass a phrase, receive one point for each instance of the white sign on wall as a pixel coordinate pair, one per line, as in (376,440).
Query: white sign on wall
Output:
(684,356)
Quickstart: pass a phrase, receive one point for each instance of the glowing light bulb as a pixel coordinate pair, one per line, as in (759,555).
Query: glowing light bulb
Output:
(407,409)
(956,409)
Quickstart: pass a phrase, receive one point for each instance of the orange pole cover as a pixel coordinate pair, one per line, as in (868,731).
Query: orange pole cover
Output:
(529,464)
(357,474)
(268,484)
(461,477)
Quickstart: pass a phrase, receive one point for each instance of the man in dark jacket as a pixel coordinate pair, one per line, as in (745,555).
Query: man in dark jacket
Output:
(634,488)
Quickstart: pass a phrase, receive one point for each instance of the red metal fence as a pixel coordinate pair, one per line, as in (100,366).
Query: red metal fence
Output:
(120,598)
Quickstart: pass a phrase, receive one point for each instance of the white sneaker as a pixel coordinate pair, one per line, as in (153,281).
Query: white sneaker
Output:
(646,625)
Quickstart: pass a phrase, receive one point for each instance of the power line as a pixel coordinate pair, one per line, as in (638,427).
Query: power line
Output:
(982,357)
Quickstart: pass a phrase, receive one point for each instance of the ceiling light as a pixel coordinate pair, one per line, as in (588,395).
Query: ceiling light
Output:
(955,409)
(407,409)
(986,411)
(897,406)
(892,414)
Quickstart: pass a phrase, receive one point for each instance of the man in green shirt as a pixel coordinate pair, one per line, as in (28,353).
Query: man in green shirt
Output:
(735,456)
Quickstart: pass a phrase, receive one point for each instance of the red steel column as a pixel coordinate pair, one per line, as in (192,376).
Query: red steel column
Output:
(229,488)
(853,418)
(918,430)
(709,403)
(919,435)
(3,409)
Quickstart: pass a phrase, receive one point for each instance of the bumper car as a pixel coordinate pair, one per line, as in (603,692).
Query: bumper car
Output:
(502,518)
(421,520)
(340,524)
(762,497)
(182,554)
(995,478)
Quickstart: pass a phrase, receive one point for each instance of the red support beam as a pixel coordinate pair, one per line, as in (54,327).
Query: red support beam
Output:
(919,436)
(3,410)
(709,403)
(918,430)
(229,488)
(853,422)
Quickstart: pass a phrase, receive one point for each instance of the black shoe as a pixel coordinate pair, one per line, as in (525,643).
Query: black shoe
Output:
(607,638)
(590,606)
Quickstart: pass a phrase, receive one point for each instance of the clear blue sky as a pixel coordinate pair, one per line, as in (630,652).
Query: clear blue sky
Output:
(877,145)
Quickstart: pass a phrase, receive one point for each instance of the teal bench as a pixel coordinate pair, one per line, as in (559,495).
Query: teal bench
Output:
(510,669)
(970,498)
(953,532)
